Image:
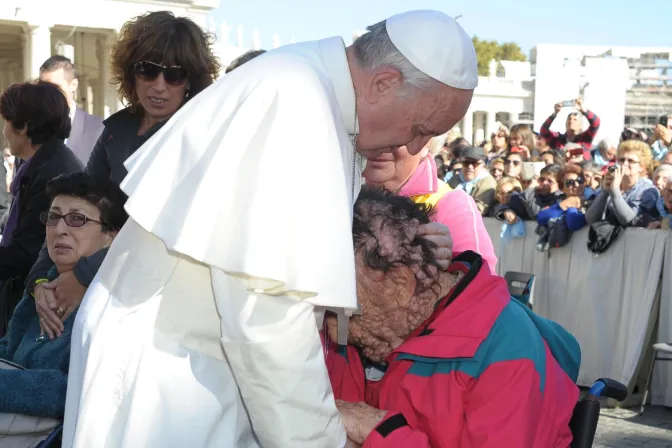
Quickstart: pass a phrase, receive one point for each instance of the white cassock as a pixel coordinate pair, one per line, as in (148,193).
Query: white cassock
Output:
(240,224)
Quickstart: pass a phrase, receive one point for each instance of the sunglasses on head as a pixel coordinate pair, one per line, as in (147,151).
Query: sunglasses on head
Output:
(175,75)
(509,162)
(73,219)
(572,182)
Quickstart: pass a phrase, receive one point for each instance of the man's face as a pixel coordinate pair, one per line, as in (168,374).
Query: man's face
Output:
(392,114)
(547,158)
(547,184)
(472,168)
(59,77)
(574,124)
(392,169)
(661,179)
(593,180)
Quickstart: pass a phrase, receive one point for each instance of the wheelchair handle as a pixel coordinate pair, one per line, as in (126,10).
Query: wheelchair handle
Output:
(606,387)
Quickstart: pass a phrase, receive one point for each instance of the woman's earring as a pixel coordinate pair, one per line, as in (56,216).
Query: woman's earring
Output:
(186,94)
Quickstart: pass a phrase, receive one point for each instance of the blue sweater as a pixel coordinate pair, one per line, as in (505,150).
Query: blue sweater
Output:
(40,389)
(573,217)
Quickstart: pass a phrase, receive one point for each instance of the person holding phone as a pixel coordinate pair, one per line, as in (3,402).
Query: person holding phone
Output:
(662,137)
(574,128)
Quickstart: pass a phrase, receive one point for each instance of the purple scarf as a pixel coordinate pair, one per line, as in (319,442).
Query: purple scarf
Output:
(13,218)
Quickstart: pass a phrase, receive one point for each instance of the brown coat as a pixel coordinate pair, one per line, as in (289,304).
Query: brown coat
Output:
(483,192)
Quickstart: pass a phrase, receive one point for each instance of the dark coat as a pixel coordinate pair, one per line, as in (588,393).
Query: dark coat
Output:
(52,159)
(86,129)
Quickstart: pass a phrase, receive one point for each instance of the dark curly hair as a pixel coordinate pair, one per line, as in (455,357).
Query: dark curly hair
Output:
(570,168)
(385,232)
(40,107)
(101,192)
(162,38)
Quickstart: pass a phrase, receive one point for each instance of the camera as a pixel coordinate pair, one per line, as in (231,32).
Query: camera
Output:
(612,169)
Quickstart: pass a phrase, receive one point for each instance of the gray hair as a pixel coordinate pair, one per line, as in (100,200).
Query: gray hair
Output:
(664,168)
(375,49)
(591,166)
(607,143)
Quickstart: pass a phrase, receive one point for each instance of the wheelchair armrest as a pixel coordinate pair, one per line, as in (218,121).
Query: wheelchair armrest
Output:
(612,389)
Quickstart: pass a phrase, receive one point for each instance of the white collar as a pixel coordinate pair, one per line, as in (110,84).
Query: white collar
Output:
(335,61)
(73,111)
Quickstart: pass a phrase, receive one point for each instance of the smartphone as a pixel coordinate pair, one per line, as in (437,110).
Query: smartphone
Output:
(570,103)
(575,152)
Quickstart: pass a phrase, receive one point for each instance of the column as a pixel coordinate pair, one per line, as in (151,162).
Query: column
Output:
(467,128)
(488,126)
(513,119)
(15,73)
(4,74)
(479,124)
(102,108)
(40,50)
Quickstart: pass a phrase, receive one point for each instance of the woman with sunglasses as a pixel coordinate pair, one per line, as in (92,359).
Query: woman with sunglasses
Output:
(158,63)
(627,194)
(571,181)
(37,121)
(83,216)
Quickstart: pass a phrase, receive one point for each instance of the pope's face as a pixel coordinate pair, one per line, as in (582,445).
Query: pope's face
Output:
(390,117)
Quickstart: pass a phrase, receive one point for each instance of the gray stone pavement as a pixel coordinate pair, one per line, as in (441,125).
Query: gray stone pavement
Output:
(624,428)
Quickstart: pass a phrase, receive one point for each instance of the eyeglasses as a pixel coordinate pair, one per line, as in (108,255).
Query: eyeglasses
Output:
(514,162)
(572,182)
(175,75)
(51,219)
(622,161)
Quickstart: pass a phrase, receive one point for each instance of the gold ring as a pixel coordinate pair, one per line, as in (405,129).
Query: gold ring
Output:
(60,312)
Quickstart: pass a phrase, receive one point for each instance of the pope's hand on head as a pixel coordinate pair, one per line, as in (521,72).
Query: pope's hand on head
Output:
(439,234)
(69,294)
(46,304)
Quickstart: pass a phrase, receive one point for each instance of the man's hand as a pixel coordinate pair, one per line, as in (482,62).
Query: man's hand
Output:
(439,234)
(558,107)
(359,419)
(45,303)
(510,217)
(69,294)
(664,134)
(579,105)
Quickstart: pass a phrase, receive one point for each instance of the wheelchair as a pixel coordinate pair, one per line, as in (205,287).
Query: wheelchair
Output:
(583,423)
(587,411)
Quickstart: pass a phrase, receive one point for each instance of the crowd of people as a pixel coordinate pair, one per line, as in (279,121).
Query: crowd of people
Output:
(438,354)
(566,181)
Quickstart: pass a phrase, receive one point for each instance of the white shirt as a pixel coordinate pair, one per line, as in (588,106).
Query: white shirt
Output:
(73,111)
(235,234)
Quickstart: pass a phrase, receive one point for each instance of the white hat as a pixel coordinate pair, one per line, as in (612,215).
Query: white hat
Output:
(436,45)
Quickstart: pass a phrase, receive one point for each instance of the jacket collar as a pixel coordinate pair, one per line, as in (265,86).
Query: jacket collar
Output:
(336,63)
(423,181)
(463,319)
(46,152)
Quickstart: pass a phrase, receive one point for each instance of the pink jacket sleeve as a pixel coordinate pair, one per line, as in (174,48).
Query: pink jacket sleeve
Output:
(458,211)
(393,432)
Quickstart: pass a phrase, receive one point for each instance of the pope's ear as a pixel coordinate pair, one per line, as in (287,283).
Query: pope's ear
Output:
(384,83)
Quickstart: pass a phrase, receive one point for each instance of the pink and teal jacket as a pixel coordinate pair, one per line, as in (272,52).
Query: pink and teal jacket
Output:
(455,209)
(482,371)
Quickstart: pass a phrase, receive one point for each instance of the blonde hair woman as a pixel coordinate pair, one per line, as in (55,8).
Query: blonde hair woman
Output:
(627,194)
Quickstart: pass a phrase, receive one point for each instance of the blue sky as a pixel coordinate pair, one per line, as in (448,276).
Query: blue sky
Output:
(526,22)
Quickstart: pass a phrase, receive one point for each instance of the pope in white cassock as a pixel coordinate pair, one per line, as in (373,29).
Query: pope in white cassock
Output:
(239,237)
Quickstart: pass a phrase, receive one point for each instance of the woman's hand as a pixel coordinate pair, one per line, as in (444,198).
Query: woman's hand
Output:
(617,179)
(359,419)
(510,217)
(526,151)
(571,202)
(45,304)
(69,294)
(439,234)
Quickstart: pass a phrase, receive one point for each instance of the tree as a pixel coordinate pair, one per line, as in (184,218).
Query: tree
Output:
(487,50)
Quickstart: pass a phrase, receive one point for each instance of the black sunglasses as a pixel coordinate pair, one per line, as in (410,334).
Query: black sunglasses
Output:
(572,182)
(509,162)
(175,76)
(71,219)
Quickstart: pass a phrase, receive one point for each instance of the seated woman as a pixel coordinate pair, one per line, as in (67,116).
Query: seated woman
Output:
(472,368)
(84,217)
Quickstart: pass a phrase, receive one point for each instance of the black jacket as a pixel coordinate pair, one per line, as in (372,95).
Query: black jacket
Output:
(52,159)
